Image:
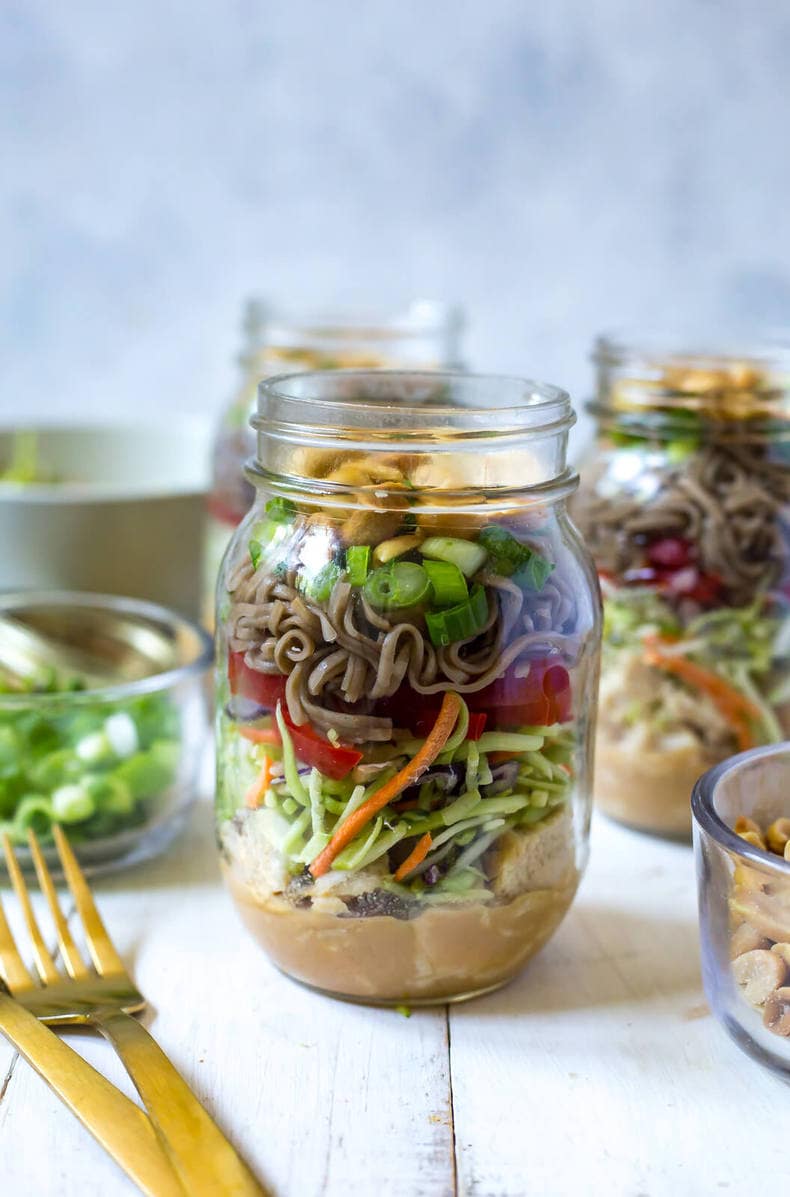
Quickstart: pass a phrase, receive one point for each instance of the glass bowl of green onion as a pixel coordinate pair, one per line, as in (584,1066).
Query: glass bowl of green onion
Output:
(102,723)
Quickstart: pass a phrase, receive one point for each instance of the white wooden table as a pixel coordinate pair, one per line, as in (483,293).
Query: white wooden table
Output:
(598,1072)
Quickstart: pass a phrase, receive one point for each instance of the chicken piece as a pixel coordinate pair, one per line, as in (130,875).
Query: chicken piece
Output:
(540,857)
(328,892)
(248,841)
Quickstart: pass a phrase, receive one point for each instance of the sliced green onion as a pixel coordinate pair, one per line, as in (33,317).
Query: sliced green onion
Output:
(72,804)
(121,732)
(109,793)
(510,558)
(358,563)
(34,810)
(534,573)
(281,511)
(461,622)
(321,585)
(397,586)
(449,584)
(467,555)
(93,748)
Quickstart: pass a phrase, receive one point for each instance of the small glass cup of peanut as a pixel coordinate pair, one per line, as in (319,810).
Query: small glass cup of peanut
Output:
(741,811)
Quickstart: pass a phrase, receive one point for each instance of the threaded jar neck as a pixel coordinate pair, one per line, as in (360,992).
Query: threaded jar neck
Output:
(475,437)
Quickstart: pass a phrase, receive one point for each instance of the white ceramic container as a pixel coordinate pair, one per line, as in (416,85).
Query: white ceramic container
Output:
(126,513)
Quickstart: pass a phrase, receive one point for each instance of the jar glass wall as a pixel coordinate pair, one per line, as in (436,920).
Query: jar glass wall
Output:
(408,647)
(685,504)
(425,336)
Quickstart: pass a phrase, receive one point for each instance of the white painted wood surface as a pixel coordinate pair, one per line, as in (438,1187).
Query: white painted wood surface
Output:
(598,1072)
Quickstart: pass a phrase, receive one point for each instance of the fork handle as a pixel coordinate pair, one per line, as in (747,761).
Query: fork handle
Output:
(116,1123)
(205,1161)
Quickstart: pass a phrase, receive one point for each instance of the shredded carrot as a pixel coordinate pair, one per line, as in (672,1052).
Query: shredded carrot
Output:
(498,758)
(412,804)
(407,776)
(415,857)
(261,735)
(734,706)
(254,796)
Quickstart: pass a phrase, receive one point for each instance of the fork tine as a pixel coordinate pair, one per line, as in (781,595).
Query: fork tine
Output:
(44,962)
(103,953)
(75,965)
(12,966)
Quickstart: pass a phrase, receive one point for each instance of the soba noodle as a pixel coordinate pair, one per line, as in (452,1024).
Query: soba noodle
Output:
(728,501)
(338,653)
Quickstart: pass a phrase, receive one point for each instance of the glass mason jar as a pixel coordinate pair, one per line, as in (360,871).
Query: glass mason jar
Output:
(742,844)
(685,506)
(408,635)
(425,336)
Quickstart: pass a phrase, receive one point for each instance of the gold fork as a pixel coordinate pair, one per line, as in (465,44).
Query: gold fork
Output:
(106,999)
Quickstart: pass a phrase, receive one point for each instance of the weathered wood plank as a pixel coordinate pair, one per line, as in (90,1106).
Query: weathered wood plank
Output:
(600,1069)
(324,1098)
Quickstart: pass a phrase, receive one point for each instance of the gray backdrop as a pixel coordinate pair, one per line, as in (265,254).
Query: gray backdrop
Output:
(558,166)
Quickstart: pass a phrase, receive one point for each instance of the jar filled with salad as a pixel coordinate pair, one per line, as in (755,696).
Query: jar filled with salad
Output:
(424,336)
(686,509)
(408,635)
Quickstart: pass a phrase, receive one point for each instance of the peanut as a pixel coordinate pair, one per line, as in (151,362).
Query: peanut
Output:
(759,973)
(745,939)
(776,1016)
(777,836)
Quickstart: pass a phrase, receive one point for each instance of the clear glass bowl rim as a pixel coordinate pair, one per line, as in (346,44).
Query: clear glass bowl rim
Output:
(122,690)
(706,818)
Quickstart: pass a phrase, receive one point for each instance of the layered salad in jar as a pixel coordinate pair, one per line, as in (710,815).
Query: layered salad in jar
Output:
(687,514)
(403,729)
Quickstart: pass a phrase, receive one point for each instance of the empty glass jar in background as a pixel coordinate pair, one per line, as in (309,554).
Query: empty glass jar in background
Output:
(408,634)
(685,505)
(741,836)
(424,336)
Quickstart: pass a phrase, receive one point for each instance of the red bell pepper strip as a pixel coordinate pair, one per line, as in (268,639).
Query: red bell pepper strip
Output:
(333,760)
(267,689)
(422,723)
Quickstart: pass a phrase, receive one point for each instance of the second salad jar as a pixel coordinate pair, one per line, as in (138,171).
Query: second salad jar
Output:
(408,636)
(425,335)
(686,508)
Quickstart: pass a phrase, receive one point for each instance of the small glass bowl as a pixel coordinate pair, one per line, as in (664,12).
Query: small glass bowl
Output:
(744,902)
(115,763)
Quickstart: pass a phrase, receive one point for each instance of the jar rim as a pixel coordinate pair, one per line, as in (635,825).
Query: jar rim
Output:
(707,818)
(543,407)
